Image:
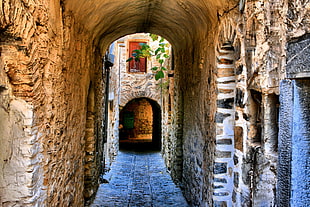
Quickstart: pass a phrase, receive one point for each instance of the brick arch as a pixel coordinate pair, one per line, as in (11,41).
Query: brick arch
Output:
(139,94)
(156,119)
(225,114)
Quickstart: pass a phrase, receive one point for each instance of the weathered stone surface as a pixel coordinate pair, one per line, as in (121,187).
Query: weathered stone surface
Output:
(221,180)
(298,18)
(238,132)
(220,168)
(139,179)
(226,103)
(300,192)
(224,141)
(285,144)
(298,63)
(219,117)
(220,204)
(128,87)
(51,55)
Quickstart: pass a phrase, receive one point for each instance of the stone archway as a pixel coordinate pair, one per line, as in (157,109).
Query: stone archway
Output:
(140,121)
(50,50)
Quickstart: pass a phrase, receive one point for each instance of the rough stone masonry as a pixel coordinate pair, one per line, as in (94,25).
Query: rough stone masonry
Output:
(235,118)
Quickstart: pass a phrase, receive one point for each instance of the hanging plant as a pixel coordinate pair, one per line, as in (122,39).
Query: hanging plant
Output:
(161,53)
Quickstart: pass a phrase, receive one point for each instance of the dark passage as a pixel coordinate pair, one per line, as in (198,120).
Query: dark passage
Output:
(139,179)
(140,125)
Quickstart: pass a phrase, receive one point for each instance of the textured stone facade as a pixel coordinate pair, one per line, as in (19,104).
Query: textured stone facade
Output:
(45,88)
(220,111)
(128,86)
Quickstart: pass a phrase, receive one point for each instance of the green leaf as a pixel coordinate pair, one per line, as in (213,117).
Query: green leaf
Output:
(157,51)
(166,56)
(129,59)
(161,61)
(160,74)
(157,56)
(162,39)
(154,37)
(154,68)
(163,68)
(136,53)
(144,46)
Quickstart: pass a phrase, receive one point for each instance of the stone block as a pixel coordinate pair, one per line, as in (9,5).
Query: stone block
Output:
(220,168)
(225,90)
(238,135)
(225,72)
(219,117)
(227,103)
(298,64)
(222,154)
(224,141)
(220,204)
(236,179)
(220,193)
(220,180)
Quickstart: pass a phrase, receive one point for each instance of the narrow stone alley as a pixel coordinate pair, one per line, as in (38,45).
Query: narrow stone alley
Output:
(138,179)
(220,88)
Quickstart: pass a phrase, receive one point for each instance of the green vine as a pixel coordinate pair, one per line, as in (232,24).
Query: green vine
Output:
(161,53)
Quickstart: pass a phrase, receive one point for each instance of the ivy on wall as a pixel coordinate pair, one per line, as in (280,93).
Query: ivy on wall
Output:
(161,53)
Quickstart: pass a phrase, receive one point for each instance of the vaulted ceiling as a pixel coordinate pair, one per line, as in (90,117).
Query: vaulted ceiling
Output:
(176,20)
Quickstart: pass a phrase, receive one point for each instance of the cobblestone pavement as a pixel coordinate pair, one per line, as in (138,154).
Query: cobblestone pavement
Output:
(139,179)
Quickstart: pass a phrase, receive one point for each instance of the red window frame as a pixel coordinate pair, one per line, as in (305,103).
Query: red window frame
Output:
(136,66)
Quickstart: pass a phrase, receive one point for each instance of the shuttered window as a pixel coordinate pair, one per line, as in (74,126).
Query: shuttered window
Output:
(136,66)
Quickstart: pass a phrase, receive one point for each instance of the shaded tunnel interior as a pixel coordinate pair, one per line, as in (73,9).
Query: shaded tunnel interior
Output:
(140,125)
(185,25)
(232,123)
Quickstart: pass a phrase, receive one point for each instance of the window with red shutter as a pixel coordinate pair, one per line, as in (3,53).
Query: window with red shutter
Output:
(136,66)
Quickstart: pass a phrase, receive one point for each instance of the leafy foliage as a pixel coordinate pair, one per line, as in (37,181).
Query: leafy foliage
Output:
(161,53)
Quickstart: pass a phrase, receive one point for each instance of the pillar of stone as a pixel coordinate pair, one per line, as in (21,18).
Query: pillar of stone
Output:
(300,179)
(294,130)
(285,143)
(223,166)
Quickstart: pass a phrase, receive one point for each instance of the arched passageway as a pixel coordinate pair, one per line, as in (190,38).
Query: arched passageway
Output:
(140,122)
(227,54)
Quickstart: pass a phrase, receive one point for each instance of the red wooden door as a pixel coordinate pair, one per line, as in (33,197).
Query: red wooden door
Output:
(136,66)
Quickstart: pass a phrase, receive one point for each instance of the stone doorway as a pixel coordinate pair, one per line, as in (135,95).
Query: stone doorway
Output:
(140,124)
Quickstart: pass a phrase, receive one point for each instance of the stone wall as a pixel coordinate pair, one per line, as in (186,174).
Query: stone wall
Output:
(172,128)
(294,96)
(143,119)
(46,63)
(250,62)
(125,86)
(220,141)
(23,56)
(195,125)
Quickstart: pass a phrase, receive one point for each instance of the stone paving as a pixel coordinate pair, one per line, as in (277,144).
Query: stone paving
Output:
(139,179)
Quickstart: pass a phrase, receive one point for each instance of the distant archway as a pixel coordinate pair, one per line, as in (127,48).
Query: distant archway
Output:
(140,123)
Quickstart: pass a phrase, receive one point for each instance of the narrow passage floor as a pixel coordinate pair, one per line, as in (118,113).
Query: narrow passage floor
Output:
(139,179)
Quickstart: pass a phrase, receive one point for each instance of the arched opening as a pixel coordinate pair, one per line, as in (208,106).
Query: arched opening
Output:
(220,141)
(140,124)
(70,54)
(128,84)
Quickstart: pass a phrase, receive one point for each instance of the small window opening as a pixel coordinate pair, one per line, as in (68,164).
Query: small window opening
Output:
(136,66)
(255,133)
